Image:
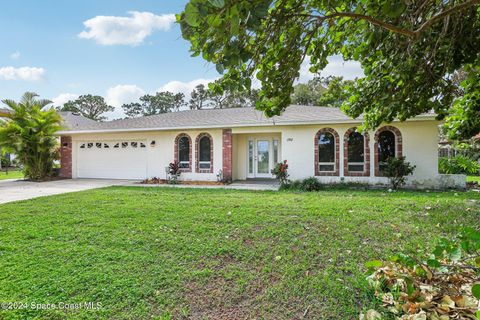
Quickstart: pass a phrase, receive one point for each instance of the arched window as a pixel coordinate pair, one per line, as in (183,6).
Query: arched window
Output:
(183,152)
(357,154)
(388,144)
(204,147)
(326,152)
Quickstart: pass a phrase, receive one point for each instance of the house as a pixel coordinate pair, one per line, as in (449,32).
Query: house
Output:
(241,143)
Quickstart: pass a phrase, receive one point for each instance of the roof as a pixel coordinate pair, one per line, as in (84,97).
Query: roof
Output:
(73,121)
(219,118)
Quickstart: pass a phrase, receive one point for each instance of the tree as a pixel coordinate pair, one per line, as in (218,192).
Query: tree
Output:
(335,93)
(29,132)
(161,102)
(221,99)
(408,50)
(199,98)
(89,106)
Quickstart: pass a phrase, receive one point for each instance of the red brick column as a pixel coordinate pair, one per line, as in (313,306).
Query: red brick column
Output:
(227,152)
(66,157)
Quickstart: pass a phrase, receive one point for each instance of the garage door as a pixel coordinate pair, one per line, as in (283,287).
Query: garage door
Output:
(112,159)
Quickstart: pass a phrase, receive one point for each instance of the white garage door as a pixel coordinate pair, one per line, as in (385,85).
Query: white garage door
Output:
(112,159)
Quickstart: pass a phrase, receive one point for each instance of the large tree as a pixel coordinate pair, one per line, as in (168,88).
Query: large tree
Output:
(408,51)
(29,133)
(89,106)
(161,102)
(199,98)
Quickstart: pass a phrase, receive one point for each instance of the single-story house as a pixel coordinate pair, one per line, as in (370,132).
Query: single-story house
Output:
(241,143)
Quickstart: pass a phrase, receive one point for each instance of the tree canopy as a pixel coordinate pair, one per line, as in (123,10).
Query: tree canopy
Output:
(329,91)
(89,106)
(161,102)
(409,51)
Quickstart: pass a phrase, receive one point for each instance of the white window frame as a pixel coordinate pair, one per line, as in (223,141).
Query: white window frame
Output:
(327,164)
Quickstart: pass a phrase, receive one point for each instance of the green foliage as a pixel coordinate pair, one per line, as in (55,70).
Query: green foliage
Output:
(336,92)
(308,93)
(88,106)
(458,165)
(161,102)
(216,97)
(411,285)
(308,185)
(281,172)
(29,133)
(408,51)
(396,170)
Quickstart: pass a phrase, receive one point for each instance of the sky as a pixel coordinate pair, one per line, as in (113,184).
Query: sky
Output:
(119,49)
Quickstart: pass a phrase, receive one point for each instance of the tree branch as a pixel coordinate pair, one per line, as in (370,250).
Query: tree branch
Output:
(393,28)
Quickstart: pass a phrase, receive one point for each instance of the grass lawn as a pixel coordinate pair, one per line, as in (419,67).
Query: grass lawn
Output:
(166,253)
(473,179)
(11,175)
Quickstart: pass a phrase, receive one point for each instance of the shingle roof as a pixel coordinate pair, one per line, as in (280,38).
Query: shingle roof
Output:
(73,121)
(218,118)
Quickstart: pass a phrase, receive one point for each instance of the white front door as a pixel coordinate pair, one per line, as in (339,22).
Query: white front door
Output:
(261,157)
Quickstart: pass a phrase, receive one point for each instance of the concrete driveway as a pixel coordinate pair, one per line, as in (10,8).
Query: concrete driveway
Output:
(14,190)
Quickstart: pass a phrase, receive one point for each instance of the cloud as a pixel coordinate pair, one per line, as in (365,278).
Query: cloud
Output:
(336,66)
(121,94)
(184,87)
(63,98)
(15,55)
(111,30)
(23,73)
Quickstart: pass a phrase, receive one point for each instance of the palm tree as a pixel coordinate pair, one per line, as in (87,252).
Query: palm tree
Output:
(29,132)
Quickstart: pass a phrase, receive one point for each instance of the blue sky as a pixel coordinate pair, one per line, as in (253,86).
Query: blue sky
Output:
(115,48)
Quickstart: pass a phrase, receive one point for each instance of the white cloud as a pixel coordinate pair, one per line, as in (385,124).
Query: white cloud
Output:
(121,94)
(184,87)
(111,30)
(15,55)
(23,73)
(63,98)
(336,66)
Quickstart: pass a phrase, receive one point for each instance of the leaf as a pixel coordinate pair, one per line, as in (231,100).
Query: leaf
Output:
(217,3)
(433,263)
(476,291)
(220,68)
(192,15)
(373,264)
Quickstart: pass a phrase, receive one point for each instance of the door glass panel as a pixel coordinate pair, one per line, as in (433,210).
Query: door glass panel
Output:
(263,154)
(250,156)
(275,151)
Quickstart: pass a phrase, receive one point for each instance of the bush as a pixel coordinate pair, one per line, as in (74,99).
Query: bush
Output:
(281,172)
(458,165)
(309,184)
(396,170)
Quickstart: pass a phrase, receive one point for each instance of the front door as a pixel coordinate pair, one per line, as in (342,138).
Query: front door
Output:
(261,153)
(263,159)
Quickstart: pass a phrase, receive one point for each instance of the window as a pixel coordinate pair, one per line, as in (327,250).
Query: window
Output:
(142,145)
(275,151)
(134,144)
(98,144)
(204,152)
(386,148)
(106,145)
(117,145)
(250,156)
(124,144)
(326,152)
(82,146)
(184,152)
(89,145)
(356,152)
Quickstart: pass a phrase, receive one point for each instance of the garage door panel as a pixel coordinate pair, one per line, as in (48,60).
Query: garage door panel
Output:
(94,160)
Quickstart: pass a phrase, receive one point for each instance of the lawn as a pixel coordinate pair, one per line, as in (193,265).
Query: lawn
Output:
(166,253)
(11,175)
(473,179)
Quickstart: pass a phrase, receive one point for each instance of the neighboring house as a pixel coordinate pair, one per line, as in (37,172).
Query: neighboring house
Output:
(242,143)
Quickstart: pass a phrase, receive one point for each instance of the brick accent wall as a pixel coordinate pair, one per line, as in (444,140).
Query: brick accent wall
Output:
(366,167)
(398,145)
(227,155)
(197,150)
(66,157)
(176,156)
(337,153)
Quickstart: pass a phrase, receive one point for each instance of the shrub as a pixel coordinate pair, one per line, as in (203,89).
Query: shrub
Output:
(441,285)
(174,171)
(281,172)
(458,165)
(309,184)
(396,170)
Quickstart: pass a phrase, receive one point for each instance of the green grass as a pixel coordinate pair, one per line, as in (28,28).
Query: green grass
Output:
(473,179)
(161,253)
(11,175)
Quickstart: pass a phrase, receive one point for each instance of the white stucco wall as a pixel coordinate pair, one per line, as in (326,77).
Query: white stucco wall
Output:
(159,156)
